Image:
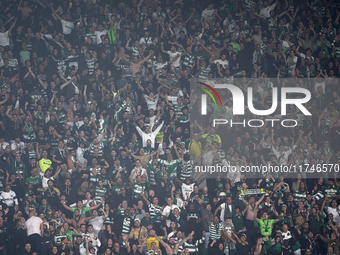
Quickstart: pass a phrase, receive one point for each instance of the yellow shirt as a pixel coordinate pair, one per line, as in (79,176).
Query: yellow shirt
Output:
(195,147)
(212,138)
(151,240)
(159,137)
(44,164)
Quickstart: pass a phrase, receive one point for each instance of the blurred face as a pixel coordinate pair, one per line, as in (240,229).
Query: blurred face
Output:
(28,247)
(265,216)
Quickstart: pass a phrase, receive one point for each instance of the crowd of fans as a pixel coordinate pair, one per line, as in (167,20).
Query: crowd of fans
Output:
(96,143)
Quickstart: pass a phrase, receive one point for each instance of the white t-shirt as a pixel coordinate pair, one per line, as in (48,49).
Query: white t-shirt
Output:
(292,63)
(168,209)
(67,26)
(99,34)
(152,104)
(172,56)
(285,45)
(318,84)
(166,212)
(145,40)
(80,155)
(4,39)
(224,63)
(335,213)
(187,189)
(33,225)
(140,171)
(97,224)
(266,11)
(207,14)
(45,180)
(173,99)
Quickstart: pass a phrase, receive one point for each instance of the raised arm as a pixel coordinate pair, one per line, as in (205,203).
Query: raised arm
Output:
(145,59)
(66,206)
(260,200)
(145,199)
(166,246)
(217,210)
(158,128)
(162,48)
(184,240)
(11,27)
(96,206)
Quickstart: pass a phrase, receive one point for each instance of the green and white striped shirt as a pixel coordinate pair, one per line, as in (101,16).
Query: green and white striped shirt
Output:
(100,193)
(126,226)
(300,196)
(94,178)
(90,65)
(215,231)
(155,212)
(193,247)
(138,189)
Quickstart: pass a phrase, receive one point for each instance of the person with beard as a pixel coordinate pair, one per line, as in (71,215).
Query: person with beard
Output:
(149,134)
(227,209)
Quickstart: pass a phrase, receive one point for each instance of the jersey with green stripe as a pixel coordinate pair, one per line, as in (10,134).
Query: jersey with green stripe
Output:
(336,50)
(94,178)
(117,188)
(92,36)
(3,87)
(186,169)
(153,169)
(35,181)
(143,16)
(32,154)
(159,65)
(155,212)
(178,109)
(112,34)
(188,60)
(138,189)
(184,118)
(99,146)
(102,123)
(90,65)
(2,181)
(221,154)
(13,62)
(192,247)
(204,73)
(39,116)
(19,167)
(62,115)
(171,167)
(99,193)
(29,133)
(126,226)
(300,196)
(329,190)
(35,95)
(148,150)
(215,231)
